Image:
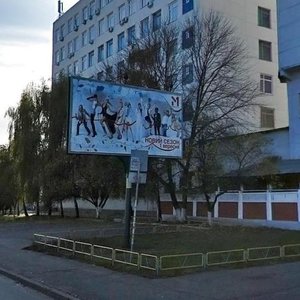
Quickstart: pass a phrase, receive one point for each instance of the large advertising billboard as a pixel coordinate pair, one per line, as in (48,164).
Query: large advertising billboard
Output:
(113,119)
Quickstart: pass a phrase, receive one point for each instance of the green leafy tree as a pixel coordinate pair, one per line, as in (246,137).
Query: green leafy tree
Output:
(8,183)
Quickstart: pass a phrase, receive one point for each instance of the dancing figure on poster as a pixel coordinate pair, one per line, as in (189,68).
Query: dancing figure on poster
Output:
(165,123)
(128,122)
(81,117)
(156,121)
(108,118)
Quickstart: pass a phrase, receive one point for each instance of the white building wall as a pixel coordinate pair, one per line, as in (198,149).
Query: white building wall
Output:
(242,13)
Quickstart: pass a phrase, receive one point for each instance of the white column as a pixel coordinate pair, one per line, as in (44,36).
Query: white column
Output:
(194,208)
(216,210)
(269,204)
(240,204)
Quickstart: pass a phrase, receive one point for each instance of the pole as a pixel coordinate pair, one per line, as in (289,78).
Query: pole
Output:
(127,218)
(127,214)
(135,206)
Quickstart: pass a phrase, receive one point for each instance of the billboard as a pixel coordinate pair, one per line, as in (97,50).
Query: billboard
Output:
(113,119)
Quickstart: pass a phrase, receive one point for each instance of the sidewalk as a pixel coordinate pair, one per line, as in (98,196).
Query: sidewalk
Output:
(62,278)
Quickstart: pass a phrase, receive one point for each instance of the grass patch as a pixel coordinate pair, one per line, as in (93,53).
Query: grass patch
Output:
(196,240)
(216,238)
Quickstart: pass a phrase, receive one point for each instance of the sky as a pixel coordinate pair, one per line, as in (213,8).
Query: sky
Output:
(25,49)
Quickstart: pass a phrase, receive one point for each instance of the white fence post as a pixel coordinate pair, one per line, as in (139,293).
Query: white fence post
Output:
(269,204)
(216,210)
(240,204)
(216,207)
(298,204)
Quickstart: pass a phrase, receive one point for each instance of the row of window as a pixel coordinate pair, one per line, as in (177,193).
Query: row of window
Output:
(124,11)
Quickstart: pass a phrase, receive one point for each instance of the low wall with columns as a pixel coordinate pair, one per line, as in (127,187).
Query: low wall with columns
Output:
(271,205)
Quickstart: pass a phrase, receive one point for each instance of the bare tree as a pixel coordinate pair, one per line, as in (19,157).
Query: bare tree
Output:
(211,72)
(220,94)
(223,165)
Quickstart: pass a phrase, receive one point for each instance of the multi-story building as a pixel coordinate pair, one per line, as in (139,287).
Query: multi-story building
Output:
(289,66)
(96,31)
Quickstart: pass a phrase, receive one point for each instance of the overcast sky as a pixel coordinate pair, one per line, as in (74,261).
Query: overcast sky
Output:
(25,49)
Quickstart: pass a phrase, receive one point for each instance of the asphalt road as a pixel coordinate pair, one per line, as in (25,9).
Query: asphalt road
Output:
(11,290)
(61,278)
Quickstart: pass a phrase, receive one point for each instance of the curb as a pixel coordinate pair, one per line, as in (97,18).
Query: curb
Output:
(55,294)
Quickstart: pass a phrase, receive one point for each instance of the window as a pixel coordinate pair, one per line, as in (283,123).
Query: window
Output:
(57,57)
(107,1)
(144,27)
(143,3)
(122,12)
(57,35)
(110,20)
(92,8)
(265,50)
(267,117)
(85,13)
(173,48)
(187,5)
(70,47)
(91,59)
(62,53)
(70,25)
(131,6)
(92,34)
(264,17)
(76,67)
(131,35)
(187,38)
(266,83)
(156,18)
(109,48)
(101,53)
(121,41)
(187,74)
(76,20)
(84,38)
(173,11)
(70,70)
(84,63)
(62,31)
(76,44)
(101,26)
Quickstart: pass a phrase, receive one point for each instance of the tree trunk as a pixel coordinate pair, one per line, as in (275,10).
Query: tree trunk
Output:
(50,210)
(61,208)
(38,208)
(97,212)
(76,207)
(25,209)
(158,205)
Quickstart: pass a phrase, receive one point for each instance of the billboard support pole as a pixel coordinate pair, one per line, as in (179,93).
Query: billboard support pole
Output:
(128,210)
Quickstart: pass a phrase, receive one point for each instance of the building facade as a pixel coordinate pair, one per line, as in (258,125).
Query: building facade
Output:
(96,31)
(289,66)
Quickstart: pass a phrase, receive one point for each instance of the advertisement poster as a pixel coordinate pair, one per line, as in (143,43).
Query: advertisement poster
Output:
(112,119)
